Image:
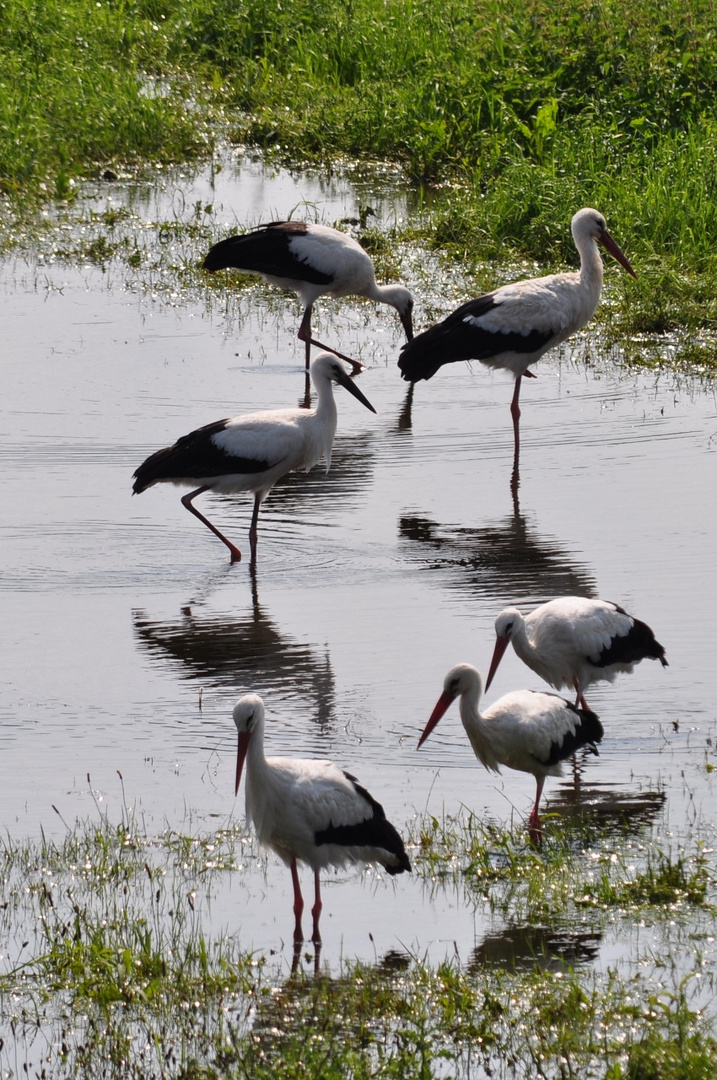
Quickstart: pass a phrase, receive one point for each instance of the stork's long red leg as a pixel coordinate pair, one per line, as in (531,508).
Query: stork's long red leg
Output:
(298,902)
(579,700)
(305,335)
(535,829)
(187,502)
(316,909)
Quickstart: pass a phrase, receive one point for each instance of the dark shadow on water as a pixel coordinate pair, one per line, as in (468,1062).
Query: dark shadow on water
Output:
(605,807)
(246,652)
(306,959)
(527,948)
(404,421)
(509,558)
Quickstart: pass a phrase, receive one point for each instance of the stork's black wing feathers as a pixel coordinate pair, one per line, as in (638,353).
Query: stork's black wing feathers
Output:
(456,339)
(375,831)
(195,456)
(266,250)
(638,644)
(588,732)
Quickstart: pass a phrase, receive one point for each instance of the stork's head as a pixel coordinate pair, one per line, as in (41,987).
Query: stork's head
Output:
(248,716)
(402,300)
(327,367)
(589,223)
(461,679)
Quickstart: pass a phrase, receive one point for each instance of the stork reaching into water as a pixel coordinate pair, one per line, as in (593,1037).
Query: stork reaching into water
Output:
(525,730)
(310,260)
(252,452)
(575,641)
(310,811)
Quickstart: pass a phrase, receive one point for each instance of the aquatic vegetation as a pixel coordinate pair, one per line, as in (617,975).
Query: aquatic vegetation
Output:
(110,965)
(579,866)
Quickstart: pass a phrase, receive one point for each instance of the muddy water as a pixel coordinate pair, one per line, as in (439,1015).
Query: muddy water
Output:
(127,635)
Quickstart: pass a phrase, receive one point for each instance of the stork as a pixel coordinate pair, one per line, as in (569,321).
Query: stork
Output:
(575,641)
(252,452)
(310,811)
(513,326)
(525,730)
(310,260)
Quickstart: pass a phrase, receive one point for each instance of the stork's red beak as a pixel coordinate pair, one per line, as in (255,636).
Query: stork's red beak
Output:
(442,705)
(407,321)
(242,748)
(352,388)
(617,253)
(501,644)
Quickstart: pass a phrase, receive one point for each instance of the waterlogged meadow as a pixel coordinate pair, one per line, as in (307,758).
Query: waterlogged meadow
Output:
(112,970)
(123,944)
(512,115)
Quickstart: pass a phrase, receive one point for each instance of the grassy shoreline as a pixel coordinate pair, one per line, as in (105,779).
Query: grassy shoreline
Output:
(516,114)
(116,971)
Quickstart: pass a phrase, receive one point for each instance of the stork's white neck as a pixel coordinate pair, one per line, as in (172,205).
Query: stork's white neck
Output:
(324,417)
(476,728)
(256,764)
(591,267)
(395,295)
(519,638)
(260,785)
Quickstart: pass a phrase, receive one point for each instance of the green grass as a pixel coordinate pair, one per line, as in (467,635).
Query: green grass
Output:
(578,869)
(526,110)
(79,89)
(110,965)
(515,113)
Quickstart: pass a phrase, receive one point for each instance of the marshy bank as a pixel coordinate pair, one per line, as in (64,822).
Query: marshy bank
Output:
(519,114)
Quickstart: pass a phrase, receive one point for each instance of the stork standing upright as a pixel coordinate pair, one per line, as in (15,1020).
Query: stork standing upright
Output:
(252,452)
(310,811)
(526,730)
(514,325)
(575,641)
(310,260)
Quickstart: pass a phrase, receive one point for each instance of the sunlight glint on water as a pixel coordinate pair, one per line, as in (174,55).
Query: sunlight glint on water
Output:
(128,636)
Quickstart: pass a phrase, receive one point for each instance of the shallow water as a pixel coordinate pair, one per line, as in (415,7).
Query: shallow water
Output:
(128,636)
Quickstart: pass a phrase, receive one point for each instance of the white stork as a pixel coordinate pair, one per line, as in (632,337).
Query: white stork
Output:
(526,730)
(252,452)
(310,811)
(310,260)
(575,641)
(514,325)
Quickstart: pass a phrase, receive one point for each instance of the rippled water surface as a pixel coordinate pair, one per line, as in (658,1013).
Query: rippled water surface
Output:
(128,636)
